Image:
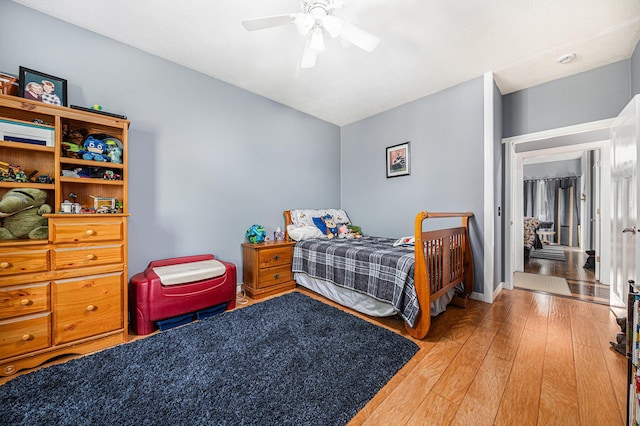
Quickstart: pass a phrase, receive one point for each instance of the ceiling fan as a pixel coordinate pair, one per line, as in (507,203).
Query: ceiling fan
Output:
(316,18)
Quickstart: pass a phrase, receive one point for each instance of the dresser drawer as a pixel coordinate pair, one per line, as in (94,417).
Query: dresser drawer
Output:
(19,262)
(62,231)
(275,256)
(83,256)
(87,306)
(24,334)
(272,276)
(23,300)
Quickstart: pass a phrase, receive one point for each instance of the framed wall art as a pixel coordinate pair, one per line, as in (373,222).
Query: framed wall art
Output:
(38,86)
(398,160)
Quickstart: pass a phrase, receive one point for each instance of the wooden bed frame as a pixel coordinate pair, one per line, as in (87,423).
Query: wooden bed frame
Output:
(443,259)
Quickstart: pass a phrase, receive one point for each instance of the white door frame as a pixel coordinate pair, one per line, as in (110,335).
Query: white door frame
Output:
(555,141)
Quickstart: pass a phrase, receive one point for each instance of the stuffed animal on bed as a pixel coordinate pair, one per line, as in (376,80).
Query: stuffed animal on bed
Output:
(21,210)
(332,229)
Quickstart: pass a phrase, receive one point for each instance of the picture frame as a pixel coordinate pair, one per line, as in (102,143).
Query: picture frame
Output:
(36,85)
(398,160)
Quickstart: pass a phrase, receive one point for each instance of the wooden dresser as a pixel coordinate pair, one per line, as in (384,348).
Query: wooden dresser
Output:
(66,294)
(266,268)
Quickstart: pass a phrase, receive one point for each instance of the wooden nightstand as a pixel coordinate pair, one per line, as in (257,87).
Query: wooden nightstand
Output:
(266,268)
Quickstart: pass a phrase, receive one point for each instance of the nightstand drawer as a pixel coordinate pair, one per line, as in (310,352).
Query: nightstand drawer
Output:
(77,231)
(23,300)
(275,256)
(87,306)
(19,262)
(271,276)
(24,334)
(83,256)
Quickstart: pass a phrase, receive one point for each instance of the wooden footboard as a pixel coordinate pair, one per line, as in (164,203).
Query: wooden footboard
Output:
(443,260)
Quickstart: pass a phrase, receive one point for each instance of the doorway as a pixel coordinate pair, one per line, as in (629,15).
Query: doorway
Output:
(561,192)
(564,141)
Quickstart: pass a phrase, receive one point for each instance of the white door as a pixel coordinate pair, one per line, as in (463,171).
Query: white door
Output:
(624,161)
(596,217)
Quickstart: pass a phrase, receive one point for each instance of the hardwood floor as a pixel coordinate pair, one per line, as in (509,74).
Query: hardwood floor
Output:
(582,281)
(526,359)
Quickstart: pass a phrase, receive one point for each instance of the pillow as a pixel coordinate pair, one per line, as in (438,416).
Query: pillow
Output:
(303,217)
(320,224)
(299,233)
(339,216)
(300,217)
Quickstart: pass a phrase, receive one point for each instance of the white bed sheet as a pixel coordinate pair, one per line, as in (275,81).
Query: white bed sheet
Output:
(361,302)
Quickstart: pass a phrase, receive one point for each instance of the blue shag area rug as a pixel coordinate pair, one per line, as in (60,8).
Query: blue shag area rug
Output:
(288,360)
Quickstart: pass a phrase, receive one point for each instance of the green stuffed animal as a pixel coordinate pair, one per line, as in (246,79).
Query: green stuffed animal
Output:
(22,210)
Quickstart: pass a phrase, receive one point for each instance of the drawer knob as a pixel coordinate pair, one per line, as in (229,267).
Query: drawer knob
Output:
(4,265)
(26,337)
(276,276)
(91,257)
(90,232)
(276,257)
(25,302)
(91,308)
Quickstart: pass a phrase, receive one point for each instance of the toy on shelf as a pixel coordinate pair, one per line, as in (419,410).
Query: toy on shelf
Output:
(95,149)
(111,175)
(104,204)
(114,150)
(22,210)
(12,173)
(44,179)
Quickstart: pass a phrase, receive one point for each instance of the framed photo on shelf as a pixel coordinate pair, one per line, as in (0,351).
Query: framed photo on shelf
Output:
(38,86)
(398,160)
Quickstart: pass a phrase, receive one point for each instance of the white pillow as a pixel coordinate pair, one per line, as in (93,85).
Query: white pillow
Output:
(305,232)
(302,217)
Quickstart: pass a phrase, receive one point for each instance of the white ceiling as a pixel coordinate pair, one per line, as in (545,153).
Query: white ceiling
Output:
(426,45)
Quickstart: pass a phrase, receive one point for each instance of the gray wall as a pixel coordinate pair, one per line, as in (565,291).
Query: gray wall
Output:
(635,71)
(207,160)
(590,96)
(447,151)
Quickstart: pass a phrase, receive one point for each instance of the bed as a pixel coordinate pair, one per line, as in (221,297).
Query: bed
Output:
(371,275)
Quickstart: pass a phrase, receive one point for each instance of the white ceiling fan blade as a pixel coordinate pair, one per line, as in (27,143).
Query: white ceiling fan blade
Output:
(361,38)
(332,24)
(309,55)
(268,22)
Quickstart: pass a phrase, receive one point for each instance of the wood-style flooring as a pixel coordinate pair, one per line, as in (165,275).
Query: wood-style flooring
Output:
(582,281)
(526,359)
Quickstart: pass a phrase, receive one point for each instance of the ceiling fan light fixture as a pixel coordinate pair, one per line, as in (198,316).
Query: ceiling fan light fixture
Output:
(304,23)
(316,40)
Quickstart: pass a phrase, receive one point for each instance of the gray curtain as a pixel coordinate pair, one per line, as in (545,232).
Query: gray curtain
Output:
(541,201)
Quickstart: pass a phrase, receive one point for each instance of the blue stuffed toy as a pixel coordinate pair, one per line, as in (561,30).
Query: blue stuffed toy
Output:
(95,149)
(332,228)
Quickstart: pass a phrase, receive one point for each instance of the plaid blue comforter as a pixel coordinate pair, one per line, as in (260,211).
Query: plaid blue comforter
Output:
(369,265)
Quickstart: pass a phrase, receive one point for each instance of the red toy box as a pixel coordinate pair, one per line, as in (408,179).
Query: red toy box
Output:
(179,286)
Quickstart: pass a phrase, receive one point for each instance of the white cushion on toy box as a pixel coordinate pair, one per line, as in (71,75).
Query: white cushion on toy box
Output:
(184,273)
